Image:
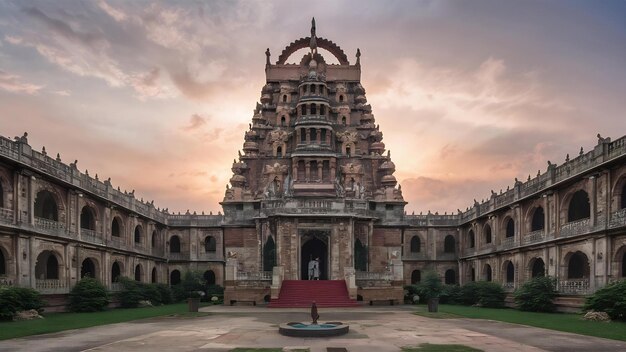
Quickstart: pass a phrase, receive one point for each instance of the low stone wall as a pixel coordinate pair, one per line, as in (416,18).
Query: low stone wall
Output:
(243,295)
(381,295)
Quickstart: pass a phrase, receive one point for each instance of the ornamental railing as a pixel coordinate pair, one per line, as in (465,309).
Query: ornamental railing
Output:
(51,285)
(6,215)
(91,236)
(48,224)
(254,276)
(576,228)
(178,256)
(508,286)
(117,241)
(373,279)
(618,218)
(508,242)
(574,286)
(534,237)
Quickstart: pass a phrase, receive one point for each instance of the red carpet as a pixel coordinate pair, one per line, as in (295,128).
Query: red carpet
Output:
(301,293)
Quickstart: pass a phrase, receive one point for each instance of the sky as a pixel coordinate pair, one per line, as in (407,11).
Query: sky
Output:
(468,94)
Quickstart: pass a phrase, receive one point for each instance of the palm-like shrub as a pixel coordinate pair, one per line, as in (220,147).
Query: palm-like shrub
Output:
(610,299)
(537,295)
(88,295)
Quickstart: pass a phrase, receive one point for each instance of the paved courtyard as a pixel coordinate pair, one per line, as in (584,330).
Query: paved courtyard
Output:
(371,329)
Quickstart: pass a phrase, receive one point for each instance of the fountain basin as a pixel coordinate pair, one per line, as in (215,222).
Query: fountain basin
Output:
(313,330)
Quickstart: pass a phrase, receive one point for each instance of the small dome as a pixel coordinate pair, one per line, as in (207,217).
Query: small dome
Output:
(378,146)
(250,146)
(237,180)
(360,99)
(388,165)
(388,180)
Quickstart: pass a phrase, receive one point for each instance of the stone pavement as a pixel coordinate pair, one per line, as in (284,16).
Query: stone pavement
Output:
(371,329)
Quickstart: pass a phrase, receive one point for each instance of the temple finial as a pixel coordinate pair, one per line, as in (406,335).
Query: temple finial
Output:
(358,56)
(313,42)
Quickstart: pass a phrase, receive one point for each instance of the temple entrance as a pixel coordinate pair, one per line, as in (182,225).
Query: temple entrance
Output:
(314,245)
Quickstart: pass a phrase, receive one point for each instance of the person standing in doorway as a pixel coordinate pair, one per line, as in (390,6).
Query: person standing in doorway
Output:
(312,267)
(316,269)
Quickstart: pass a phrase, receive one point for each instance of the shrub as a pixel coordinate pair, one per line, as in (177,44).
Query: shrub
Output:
(192,285)
(14,299)
(165,293)
(484,293)
(450,294)
(88,295)
(610,299)
(537,295)
(431,285)
(412,290)
(131,293)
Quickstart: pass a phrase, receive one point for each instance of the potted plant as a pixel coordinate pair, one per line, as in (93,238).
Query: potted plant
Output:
(193,300)
(431,289)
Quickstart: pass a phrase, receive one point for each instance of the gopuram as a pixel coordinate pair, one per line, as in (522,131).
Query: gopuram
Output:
(314,182)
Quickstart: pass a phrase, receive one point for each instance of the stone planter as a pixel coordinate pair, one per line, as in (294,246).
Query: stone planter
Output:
(193,303)
(433,305)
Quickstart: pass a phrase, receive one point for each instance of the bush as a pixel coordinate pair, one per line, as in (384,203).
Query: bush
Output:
(14,299)
(192,285)
(450,294)
(484,293)
(431,285)
(610,299)
(165,293)
(131,293)
(88,295)
(537,295)
(413,290)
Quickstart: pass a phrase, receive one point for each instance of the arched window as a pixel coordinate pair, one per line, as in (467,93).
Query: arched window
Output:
(46,206)
(138,272)
(415,244)
(283,121)
(209,244)
(209,277)
(624,264)
(279,151)
(341,98)
(510,228)
(470,239)
(416,277)
(284,98)
(487,233)
(314,88)
(449,245)
(269,254)
(579,207)
(174,244)
(175,277)
(360,256)
(538,268)
(538,220)
(578,266)
(88,269)
(510,272)
(138,233)
(3,265)
(322,109)
(343,120)
(47,267)
(487,272)
(1,195)
(116,272)
(116,227)
(303,109)
(348,151)
(87,218)
(623,203)
(154,239)
(472,274)
(313,135)
(153,277)
(313,109)
(450,277)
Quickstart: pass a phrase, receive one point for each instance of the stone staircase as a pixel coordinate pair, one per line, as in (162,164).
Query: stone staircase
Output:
(301,293)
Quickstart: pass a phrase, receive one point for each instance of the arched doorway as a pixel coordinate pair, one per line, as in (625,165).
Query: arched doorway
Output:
(578,266)
(88,269)
(416,277)
(209,277)
(3,266)
(138,272)
(269,254)
(47,267)
(538,268)
(314,247)
(116,272)
(450,277)
(153,277)
(360,256)
(487,273)
(175,277)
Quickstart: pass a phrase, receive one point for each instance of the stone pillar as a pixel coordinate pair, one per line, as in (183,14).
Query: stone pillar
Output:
(593,201)
(307,166)
(278,273)
(328,133)
(320,163)
(31,200)
(231,269)
(349,277)
(546,215)
(319,135)
(308,136)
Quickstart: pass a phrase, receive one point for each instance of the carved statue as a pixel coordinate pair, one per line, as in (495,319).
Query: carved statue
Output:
(267,57)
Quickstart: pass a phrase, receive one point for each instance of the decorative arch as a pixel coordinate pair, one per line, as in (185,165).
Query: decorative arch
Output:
(174,244)
(138,234)
(619,262)
(537,267)
(117,226)
(116,271)
(269,254)
(48,266)
(450,277)
(577,265)
(578,207)
(471,239)
(508,269)
(537,221)
(449,244)
(89,268)
(348,148)
(47,205)
(154,276)
(138,272)
(88,218)
(154,239)
(209,277)
(175,277)
(619,192)
(4,258)
(487,273)
(416,244)
(321,43)
(6,189)
(487,234)
(210,245)
(416,277)
(509,227)
(360,256)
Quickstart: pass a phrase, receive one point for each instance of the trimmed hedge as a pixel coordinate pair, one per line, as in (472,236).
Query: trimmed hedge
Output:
(134,291)
(14,299)
(610,299)
(88,295)
(537,295)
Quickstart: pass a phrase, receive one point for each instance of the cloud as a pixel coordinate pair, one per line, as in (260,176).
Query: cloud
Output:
(111,11)
(14,84)
(195,121)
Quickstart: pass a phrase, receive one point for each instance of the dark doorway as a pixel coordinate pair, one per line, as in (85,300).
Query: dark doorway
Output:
(115,272)
(578,266)
(538,220)
(269,254)
(88,269)
(416,277)
(314,246)
(360,256)
(539,268)
(209,277)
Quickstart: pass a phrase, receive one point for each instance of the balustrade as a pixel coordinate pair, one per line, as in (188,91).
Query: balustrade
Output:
(534,237)
(508,242)
(254,276)
(508,286)
(6,215)
(178,256)
(91,236)
(576,228)
(574,286)
(51,286)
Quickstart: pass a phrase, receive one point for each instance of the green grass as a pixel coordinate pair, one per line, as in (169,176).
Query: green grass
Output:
(426,347)
(55,322)
(555,321)
(240,349)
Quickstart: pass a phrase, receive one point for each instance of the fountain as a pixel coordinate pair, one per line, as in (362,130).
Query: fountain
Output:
(314,329)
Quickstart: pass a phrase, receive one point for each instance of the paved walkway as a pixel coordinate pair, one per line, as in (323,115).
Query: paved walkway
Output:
(371,329)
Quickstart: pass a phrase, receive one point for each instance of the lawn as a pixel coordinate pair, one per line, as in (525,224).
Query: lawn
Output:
(55,322)
(554,321)
(427,347)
